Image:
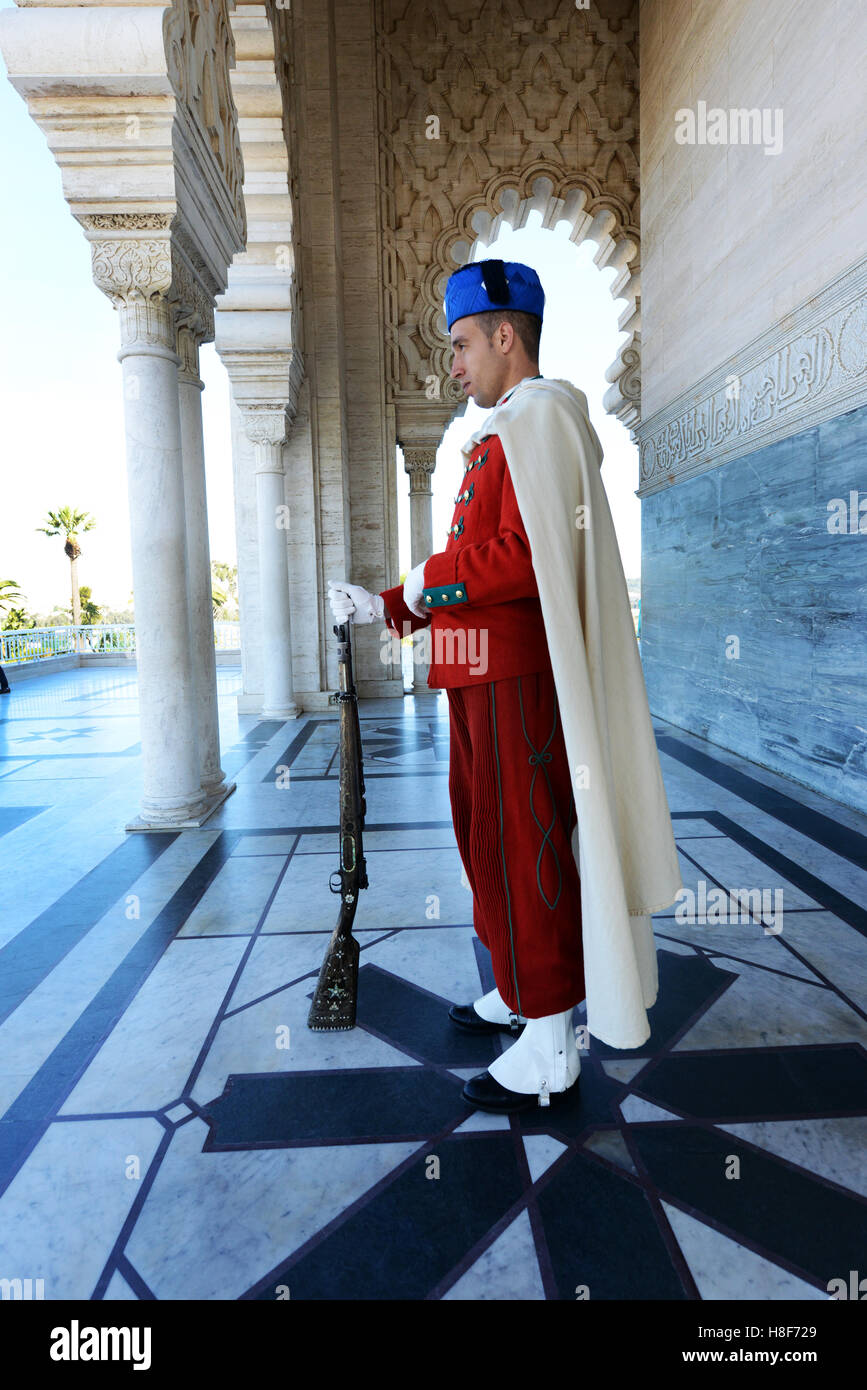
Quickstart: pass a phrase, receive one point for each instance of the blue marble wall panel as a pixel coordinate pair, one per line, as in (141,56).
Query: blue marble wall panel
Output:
(744,552)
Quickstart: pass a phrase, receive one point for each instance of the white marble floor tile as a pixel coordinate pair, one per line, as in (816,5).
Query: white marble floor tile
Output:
(834,948)
(737,941)
(390,800)
(63,1210)
(625,1070)
(67,768)
(735,868)
(482,1120)
(542,1150)
(661,928)
(118,1289)
(840,873)
(377,840)
(689,791)
(257,805)
(611,1146)
(36,876)
(33,1030)
(690,829)
(215,1223)
(403,889)
(264,844)
(278,960)
(248,1042)
(145,1061)
(441,960)
(236,899)
(764,1010)
(724,1269)
(835,1148)
(638,1112)
(508,1269)
(393,800)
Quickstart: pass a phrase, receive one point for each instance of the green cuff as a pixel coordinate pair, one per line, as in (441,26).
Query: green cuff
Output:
(439,596)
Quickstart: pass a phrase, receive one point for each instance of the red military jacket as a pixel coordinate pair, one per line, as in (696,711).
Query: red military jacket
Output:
(485,616)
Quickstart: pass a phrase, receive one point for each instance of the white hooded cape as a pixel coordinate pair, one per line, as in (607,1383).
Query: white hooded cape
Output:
(623,841)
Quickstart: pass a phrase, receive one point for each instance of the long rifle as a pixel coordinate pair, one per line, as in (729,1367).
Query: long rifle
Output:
(336,996)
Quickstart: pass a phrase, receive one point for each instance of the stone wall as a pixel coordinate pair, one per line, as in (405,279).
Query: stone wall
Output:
(732,238)
(754,381)
(754,613)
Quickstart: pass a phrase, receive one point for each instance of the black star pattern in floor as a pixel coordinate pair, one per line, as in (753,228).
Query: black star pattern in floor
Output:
(56,735)
(599,1221)
(388,742)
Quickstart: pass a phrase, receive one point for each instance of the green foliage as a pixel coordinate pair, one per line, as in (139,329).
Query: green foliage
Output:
(90,612)
(67,521)
(18,619)
(10,594)
(227,576)
(224,590)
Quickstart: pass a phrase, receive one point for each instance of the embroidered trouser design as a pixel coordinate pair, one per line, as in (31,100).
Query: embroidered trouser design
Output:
(514,810)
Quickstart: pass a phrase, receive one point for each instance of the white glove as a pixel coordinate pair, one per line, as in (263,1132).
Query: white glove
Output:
(413,586)
(351,601)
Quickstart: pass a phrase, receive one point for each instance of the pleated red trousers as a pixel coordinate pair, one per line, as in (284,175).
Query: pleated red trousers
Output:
(513,808)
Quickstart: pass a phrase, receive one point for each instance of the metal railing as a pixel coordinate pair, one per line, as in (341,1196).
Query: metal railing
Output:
(37,643)
(227,637)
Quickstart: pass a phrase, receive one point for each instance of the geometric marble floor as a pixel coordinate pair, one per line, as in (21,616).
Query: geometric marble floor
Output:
(171,1129)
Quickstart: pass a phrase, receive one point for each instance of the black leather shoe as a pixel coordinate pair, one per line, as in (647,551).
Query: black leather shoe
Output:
(465,1016)
(485,1093)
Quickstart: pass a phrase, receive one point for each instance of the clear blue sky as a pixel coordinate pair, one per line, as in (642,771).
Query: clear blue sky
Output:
(61,426)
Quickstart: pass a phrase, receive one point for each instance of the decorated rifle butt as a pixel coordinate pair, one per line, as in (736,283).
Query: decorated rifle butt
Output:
(336,996)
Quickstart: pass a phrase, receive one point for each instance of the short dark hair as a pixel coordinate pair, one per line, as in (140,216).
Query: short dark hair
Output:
(527,326)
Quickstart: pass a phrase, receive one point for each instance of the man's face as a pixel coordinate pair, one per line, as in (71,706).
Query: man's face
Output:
(479,365)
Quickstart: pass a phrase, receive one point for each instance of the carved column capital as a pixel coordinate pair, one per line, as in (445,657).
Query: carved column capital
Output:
(146,267)
(265,422)
(193,306)
(265,426)
(419,461)
(131,259)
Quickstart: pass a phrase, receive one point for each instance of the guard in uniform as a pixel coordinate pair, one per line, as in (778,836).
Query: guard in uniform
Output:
(509,780)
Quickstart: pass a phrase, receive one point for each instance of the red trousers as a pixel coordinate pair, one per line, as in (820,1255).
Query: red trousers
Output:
(514,809)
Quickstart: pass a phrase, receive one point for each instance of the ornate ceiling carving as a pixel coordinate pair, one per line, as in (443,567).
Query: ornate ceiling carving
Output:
(200,52)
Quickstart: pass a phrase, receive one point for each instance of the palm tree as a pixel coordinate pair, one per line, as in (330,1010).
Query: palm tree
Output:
(10,595)
(70,523)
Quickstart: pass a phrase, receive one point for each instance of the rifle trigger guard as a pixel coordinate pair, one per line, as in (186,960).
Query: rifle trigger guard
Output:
(339,876)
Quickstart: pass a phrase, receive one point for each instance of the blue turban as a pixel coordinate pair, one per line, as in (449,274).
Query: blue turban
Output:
(485,285)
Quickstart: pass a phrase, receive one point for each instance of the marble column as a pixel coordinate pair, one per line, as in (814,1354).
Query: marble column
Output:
(420,462)
(191,333)
(136,272)
(265,426)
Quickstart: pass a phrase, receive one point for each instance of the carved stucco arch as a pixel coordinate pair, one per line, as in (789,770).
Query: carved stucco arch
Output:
(557,197)
(534,106)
